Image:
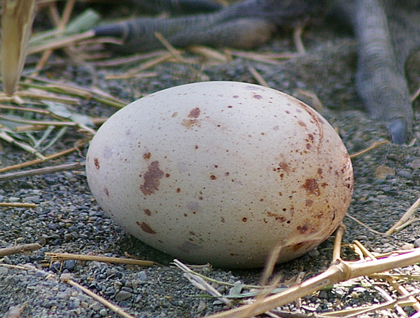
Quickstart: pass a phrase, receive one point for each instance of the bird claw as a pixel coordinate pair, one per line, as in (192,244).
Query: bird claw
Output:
(398,129)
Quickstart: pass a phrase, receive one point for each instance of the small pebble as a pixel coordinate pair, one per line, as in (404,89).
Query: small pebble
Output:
(407,247)
(313,253)
(415,164)
(70,265)
(123,295)
(3,271)
(32,199)
(417,243)
(405,174)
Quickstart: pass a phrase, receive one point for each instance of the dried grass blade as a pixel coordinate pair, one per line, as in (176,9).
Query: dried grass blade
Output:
(405,218)
(364,225)
(106,259)
(161,58)
(41,171)
(49,157)
(17,249)
(175,53)
(130,59)
(17,205)
(376,144)
(43,96)
(257,57)
(66,278)
(357,312)
(60,43)
(200,283)
(73,90)
(17,19)
(208,53)
(6,137)
(39,122)
(334,274)
(339,233)
(65,36)
(258,77)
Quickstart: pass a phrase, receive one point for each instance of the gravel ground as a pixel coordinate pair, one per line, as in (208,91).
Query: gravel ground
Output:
(67,219)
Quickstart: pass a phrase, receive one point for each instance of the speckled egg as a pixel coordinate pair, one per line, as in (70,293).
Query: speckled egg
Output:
(221,172)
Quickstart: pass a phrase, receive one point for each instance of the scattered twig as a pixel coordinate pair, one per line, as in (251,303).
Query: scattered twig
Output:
(43,96)
(404,221)
(175,53)
(132,73)
(415,95)
(18,249)
(214,281)
(363,224)
(297,37)
(339,232)
(6,137)
(117,309)
(392,282)
(61,43)
(408,277)
(336,273)
(17,205)
(134,59)
(41,171)
(258,76)
(49,157)
(404,292)
(285,314)
(74,90)
(60,23)
(271,262)
(68,256)
(261,296)
(40,122)
(264,58)
(66,278)
(312,97)
(200,283)
(357,312)
(208,53)
(365,252)
(373,146)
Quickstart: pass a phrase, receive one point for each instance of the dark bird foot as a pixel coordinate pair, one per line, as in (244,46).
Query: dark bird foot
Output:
(387,31)
(398,129)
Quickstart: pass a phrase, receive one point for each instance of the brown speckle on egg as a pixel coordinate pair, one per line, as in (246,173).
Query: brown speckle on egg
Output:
(194,113)
(151,179)
(146,228)
(311,186)
(96,162)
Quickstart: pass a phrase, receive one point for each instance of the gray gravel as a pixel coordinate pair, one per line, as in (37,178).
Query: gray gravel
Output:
(67,219)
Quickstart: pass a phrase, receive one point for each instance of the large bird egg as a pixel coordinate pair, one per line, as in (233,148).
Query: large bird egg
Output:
(221,173)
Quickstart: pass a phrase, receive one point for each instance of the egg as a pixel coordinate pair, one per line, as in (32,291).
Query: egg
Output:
(221,173)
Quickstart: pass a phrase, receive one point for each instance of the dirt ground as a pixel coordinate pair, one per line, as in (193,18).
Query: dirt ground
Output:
(67,219)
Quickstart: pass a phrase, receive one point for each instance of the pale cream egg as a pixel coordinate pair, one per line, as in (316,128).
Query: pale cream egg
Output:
(222,172)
